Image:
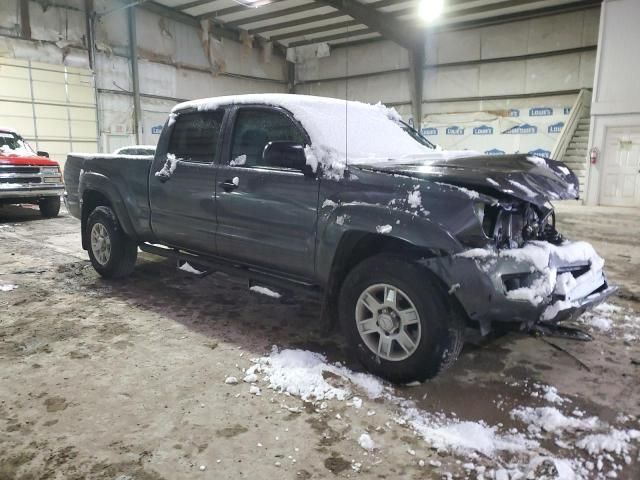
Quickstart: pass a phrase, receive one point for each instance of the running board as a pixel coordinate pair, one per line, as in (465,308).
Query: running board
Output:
(252,275)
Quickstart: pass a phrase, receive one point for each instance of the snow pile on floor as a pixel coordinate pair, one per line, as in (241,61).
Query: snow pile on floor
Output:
(463,437)
(265,291)
(597,449)
(304,374)
(600,318)
(366,442)
(552,420)
(616,321)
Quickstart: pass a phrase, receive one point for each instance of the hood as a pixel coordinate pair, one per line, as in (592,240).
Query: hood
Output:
(34,160)
(533,179)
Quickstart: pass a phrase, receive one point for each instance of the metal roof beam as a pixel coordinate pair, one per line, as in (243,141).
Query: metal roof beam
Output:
(523,15)
(311,31)
(185,6)
(490,8)
(314,18)
(335,36)
(258,18)
(294,23)
(230,10)
(393,29)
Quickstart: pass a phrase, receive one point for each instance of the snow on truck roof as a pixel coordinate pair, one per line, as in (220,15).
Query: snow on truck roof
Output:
(360,129)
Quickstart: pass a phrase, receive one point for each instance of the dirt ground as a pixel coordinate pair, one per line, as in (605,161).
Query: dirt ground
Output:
(126,380)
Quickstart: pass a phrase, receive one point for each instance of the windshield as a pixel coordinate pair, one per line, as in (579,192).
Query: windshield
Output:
(12,144)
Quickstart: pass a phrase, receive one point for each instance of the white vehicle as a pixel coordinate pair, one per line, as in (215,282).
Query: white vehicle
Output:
(136,150)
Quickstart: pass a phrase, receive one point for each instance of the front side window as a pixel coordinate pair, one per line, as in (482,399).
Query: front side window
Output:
(195,136)
(254,129)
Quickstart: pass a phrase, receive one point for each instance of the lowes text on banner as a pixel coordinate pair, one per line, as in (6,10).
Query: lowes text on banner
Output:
(483,130)
(454,130)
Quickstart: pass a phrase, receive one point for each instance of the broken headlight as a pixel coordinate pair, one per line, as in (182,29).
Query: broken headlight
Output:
(511,225)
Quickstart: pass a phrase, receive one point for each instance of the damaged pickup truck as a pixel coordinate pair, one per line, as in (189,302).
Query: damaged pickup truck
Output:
(408,244)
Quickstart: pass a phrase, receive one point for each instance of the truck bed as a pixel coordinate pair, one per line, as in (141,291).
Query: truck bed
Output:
(127,173)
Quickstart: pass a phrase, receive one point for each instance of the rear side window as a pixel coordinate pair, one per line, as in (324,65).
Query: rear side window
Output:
(254,128)
(195,136)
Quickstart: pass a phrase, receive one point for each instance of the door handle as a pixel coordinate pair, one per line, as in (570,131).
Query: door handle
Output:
(229,185)
(163,177)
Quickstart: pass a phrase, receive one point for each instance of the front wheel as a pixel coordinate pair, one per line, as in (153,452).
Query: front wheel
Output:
(113,254)
(399,319)
(49,207)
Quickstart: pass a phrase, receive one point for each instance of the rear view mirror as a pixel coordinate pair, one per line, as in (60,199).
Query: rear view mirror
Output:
(43,154)
(286,155)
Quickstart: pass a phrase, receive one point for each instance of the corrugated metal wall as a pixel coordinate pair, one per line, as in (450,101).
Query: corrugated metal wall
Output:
(52,106)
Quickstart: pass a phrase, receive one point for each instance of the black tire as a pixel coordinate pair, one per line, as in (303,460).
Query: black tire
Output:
(121,259)
(441,321)
(49,207)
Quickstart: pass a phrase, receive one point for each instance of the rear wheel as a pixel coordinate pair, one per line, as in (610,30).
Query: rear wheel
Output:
(49,207)
(112,253)
(399,319)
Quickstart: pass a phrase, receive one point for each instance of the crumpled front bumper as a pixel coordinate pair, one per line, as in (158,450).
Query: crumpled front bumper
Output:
(537,283)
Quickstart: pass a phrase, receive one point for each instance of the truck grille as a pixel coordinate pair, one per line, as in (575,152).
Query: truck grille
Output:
(21,180)
(26,176)
(14,169)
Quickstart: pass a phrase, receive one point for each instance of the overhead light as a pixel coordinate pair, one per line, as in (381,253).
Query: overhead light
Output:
(253,3)
(430,10)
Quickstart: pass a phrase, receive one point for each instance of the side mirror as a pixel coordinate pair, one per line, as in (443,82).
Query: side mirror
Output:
(286,155)
(43,154)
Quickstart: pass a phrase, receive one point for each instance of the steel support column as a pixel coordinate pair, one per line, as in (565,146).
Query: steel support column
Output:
(416,72)
(135,80)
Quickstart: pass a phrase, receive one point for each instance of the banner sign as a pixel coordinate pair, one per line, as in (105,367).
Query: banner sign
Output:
(454,130)
(494,151)
(483,130)
(555,127)
(540,112)
(539,152)
(524,129)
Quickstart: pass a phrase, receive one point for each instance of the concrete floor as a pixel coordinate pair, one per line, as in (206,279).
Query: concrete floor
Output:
(125,380)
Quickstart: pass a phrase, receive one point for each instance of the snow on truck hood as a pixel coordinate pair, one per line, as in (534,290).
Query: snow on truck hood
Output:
(528,178)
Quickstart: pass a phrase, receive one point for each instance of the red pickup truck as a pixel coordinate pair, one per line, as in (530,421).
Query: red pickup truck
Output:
(27,176)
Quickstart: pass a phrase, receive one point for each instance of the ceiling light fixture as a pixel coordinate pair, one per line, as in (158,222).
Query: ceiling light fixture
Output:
(430,10)
(253,3)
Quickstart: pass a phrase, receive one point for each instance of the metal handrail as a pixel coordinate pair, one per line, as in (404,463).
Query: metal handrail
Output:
(569,129)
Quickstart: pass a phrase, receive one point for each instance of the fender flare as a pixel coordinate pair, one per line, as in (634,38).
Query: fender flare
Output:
(338,237)
(100,183)
(414,229)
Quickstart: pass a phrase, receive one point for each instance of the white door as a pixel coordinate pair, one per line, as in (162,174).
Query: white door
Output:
(621,169)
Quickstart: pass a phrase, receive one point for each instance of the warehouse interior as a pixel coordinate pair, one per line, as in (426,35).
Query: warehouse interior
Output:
(492,76)
(131,380)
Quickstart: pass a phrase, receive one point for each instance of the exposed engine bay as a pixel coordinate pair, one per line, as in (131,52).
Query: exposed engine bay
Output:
(510,225)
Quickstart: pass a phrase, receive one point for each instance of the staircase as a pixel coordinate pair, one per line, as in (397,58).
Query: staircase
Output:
(575,156)
(573,143)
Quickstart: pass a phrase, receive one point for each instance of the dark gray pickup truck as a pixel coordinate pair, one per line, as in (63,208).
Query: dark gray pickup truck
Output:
(408,244)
